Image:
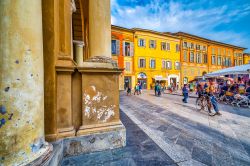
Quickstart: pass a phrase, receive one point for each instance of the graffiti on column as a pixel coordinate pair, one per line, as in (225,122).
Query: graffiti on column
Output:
(4,116)
(94,107)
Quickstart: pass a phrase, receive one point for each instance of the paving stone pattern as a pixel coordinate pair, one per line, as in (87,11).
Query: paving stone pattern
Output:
(190,137)
(139,151)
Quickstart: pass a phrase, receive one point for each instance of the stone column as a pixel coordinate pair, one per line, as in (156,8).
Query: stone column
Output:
(101,127)
(64,68)
(99,28)
(21,84)
(78,47)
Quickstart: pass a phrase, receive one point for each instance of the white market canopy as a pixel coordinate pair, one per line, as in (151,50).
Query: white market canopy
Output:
(243,69)
(160,78)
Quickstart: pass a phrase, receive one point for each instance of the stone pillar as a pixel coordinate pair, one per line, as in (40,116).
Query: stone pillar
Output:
(64,68)
(101,127)
(22,84)
(99,28)
(78,45)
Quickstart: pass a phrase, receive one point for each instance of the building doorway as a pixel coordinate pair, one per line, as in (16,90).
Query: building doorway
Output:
(127,82)
(142,80)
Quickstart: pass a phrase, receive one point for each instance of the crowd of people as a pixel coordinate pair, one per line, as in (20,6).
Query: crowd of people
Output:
(138,89)
(222,91)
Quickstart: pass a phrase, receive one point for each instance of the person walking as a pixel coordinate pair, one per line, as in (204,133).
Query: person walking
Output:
(128,91)
(185,93)
(136,89)
(159,90)
(156,85)
(211,99)
(140,88)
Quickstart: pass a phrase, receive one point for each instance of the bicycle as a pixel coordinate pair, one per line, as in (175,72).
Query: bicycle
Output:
(203,104)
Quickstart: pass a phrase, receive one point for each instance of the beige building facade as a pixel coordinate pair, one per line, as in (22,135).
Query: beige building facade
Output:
(59,82)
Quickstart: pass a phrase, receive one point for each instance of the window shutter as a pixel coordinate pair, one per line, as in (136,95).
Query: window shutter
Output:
(138,42)
(117,47)
(123,48)
(144,43)
(131,49)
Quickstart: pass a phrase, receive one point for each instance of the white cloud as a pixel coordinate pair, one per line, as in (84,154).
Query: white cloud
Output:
(174,16)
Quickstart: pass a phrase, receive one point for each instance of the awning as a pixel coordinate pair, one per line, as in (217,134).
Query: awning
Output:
(160,78)
(243,69)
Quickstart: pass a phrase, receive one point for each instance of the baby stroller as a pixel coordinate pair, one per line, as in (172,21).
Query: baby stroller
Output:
(241,100)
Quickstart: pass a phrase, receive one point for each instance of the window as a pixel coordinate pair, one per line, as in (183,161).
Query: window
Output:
(213,51)
(205,58)
(228,53)
(227,62)
(198,47)
(184,44)
(204,48)
(142,43)
(198,58)
(128,48)
(219,61)
(177,65)
(192,45)
(185,56)
(152,63)
(240,62)
(177,47)
(152,43)
(163,46)
(128,66)
(142,63)
(219,51)
(191,57)
(213,60)
(115,47)
(166,64)
(224,51)
(235,62)
(168,46)
(169,64)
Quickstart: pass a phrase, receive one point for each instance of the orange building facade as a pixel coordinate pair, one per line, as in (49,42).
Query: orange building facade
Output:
(122,46)
(200,56)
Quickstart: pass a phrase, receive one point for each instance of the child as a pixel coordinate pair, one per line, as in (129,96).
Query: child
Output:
(185,93)
(128,91)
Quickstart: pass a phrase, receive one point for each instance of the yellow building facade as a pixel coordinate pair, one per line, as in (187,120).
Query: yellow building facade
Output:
(156,58)
(200,56)
(246,57)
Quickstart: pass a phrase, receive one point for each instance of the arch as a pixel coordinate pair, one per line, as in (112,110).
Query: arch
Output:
(80,25)
(142,75)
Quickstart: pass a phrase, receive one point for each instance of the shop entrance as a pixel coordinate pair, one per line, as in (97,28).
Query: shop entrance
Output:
(142,79)
(143,82)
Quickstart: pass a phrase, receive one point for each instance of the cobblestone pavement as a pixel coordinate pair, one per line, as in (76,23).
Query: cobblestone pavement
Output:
(190,137)
(139,151)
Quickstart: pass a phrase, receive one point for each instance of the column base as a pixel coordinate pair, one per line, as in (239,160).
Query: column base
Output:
(45,155)
(96,139)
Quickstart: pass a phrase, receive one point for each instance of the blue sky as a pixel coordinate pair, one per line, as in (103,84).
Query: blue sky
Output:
(222,20)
